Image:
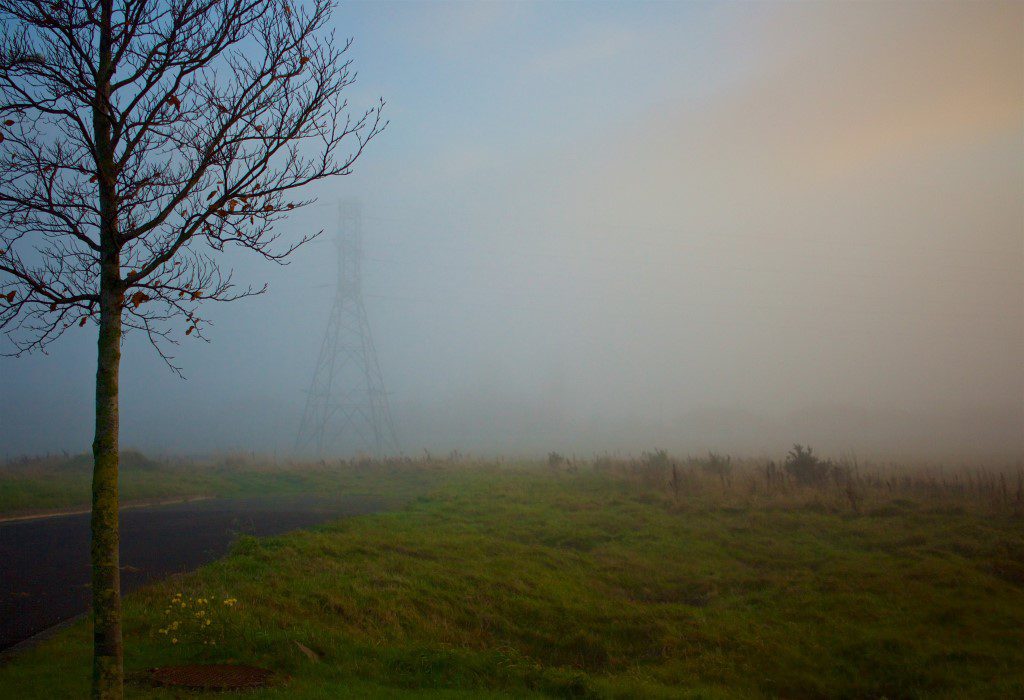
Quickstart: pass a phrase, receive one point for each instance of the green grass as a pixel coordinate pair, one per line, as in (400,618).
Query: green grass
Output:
(42,485)
(526,582)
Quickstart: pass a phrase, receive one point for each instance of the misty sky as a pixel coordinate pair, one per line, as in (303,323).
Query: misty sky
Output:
(614,227)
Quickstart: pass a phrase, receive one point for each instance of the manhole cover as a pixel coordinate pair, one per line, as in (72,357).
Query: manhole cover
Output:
(210,677)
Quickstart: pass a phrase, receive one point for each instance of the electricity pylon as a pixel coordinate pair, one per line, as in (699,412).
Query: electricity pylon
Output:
(347,408)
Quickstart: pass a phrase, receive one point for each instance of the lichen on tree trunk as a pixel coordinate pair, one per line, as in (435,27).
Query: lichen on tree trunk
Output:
(108,664)
(106,580)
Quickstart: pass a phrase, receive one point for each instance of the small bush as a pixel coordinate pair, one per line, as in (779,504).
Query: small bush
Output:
(806,467)
(556,460)
(657,460)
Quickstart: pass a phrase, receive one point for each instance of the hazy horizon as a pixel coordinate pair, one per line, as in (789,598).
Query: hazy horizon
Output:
(619,227)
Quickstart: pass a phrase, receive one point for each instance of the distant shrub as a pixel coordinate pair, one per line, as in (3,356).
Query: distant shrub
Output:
(657,460)
(719,465)
(556,460)
(133,459)
(806,467)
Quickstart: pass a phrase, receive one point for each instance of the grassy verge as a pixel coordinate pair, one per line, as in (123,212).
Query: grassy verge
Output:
(53,484)
(529,582)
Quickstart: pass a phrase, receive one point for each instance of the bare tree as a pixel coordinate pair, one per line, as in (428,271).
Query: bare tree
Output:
(139,139)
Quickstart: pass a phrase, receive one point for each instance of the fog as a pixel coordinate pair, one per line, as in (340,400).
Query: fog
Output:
(615,227)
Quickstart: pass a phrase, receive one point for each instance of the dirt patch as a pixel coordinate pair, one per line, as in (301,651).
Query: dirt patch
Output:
(208,677)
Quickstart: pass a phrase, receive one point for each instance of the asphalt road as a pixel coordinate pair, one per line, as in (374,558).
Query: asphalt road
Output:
(44,563)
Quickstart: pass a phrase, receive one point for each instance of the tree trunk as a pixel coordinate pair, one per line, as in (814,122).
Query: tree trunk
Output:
(108,653)
(108,668)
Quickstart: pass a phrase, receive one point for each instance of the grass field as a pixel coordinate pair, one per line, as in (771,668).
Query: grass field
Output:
(601,579)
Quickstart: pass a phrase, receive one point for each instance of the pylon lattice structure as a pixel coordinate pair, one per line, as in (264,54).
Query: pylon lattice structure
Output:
(347,409)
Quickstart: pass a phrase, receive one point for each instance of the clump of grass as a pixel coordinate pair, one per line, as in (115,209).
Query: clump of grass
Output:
(718,465)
